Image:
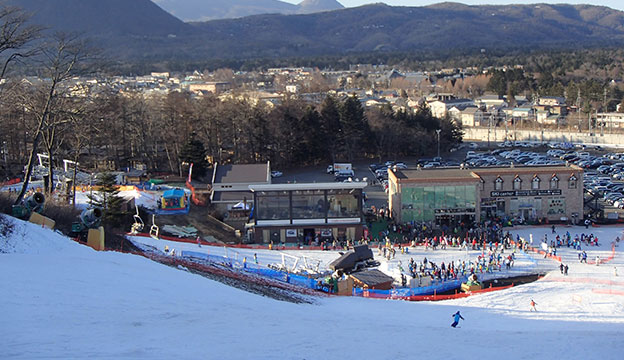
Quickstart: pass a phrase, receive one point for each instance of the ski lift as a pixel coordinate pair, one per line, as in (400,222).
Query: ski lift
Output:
(154,230)
(138,225)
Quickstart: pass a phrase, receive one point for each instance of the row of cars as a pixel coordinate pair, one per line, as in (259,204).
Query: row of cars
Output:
(601,174)
(501,157)
(604,187)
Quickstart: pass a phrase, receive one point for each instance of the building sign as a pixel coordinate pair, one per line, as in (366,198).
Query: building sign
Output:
(326,232)
(525,193)
(454,211)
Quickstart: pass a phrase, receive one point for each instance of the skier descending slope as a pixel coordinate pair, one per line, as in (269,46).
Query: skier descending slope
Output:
(456,317)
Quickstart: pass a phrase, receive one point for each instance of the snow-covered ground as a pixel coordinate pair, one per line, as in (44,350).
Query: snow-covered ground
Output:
(147,199)
(64,300)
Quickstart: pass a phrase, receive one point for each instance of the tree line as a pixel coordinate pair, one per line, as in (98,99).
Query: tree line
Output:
(165,132)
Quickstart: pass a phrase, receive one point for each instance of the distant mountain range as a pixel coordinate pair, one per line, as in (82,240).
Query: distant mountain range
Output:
(103,18)
(140,30)
(202,10)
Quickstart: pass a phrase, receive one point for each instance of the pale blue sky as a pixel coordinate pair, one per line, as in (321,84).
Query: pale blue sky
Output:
(615,4)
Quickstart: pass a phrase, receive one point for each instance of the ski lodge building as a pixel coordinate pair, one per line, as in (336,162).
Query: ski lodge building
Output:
(449,196)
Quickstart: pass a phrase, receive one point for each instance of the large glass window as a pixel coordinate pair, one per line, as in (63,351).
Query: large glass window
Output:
(471,197)
(273,205)
(342,203)
(308,204)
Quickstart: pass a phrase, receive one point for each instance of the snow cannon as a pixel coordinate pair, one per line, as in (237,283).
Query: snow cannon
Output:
(33,203)
(89,219)
(88,229)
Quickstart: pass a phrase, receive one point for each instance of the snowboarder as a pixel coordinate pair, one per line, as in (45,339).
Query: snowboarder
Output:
(533,303)
(456,318)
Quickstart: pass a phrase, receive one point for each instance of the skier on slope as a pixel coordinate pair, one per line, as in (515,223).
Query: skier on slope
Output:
(456,318)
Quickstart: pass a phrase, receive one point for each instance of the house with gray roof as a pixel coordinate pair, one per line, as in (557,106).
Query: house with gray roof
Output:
(230,183)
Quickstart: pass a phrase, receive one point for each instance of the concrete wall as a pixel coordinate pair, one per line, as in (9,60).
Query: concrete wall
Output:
(498,134)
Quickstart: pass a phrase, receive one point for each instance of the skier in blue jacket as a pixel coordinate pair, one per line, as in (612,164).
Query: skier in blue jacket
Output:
(456,316)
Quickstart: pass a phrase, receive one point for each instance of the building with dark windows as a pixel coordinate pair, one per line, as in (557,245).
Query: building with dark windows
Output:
(452,196)
(307,212)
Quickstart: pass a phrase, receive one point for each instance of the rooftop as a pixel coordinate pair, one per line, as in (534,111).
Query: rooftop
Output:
(310,186)
(471,174)
(242,174)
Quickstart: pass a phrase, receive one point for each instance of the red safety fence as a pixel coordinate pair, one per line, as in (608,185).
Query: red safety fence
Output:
(219,270)
(584,281)
(602,261)
(608,292)
(434,297)
(237,246)
(541,252)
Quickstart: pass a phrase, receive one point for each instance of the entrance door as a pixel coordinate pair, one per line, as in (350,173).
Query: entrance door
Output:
(308,236)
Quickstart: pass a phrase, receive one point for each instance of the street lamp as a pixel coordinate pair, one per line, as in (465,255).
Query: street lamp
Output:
(438,132)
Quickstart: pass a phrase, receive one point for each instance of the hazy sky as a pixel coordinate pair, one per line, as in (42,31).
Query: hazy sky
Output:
(615,4)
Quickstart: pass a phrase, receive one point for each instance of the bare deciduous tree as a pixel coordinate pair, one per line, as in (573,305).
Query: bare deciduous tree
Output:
(59,61)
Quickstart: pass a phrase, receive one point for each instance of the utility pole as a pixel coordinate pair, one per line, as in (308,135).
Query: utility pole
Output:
(438,132)
(578,108)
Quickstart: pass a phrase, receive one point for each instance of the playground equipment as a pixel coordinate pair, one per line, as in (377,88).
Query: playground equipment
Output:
(154,230)
(31,204)
(138,225)
(173,202)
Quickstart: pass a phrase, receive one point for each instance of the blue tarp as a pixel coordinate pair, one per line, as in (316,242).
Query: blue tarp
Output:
(311,283)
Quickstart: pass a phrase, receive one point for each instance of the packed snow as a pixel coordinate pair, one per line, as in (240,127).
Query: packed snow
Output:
(64,300)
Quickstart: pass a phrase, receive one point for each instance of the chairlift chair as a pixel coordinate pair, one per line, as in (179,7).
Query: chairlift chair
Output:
(154,230)
(138,225)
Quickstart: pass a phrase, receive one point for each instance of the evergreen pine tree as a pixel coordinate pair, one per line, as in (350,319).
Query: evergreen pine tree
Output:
(108,200)
(194,152)
(354,126)
(331,129)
